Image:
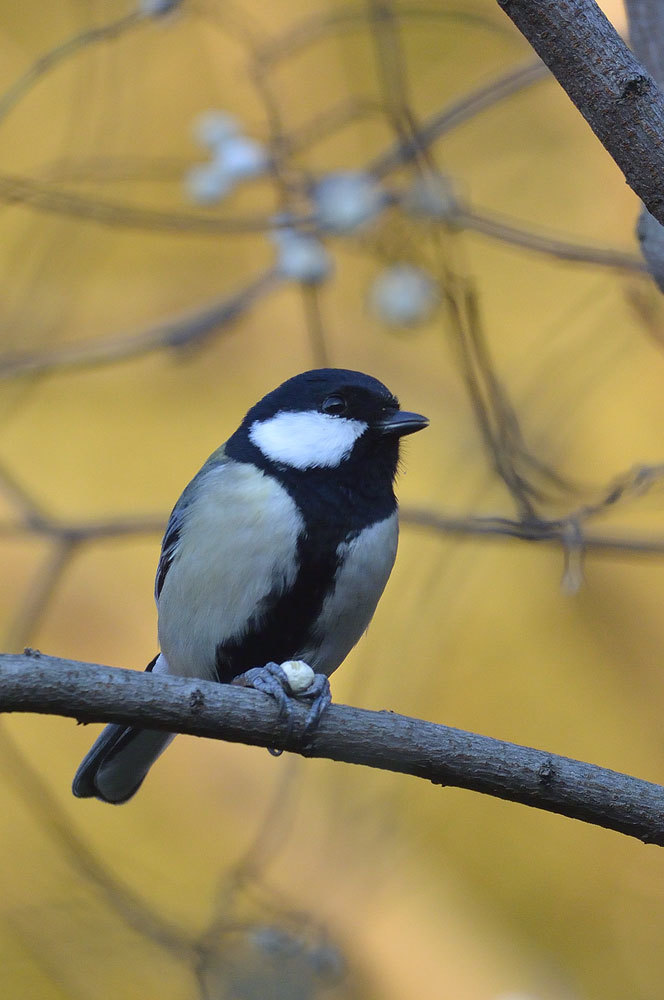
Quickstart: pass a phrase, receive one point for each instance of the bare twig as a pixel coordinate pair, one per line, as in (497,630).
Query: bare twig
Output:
(458,113)
(40,592)
(180,331)
(52,58)
(312,27)
(131,908)
(539,530)
(44,197)
(518,235)
(442,755)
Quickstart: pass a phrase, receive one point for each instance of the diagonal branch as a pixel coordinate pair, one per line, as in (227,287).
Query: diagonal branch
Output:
(48,685)
(615,94)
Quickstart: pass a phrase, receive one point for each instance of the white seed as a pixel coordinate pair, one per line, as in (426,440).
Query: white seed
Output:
(300,675)
(205,183)
(241,157)
(347,200)
(211,128)
(153,8)
(301,257)
(403,295)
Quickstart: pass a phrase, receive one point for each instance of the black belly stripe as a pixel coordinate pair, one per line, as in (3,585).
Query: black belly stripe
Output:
(335,505)
(284,621)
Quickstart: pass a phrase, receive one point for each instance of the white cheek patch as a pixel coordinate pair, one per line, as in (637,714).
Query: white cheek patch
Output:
(306,440)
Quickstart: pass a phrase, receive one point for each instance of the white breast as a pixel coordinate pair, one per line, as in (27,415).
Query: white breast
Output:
(366,563)
(237,544)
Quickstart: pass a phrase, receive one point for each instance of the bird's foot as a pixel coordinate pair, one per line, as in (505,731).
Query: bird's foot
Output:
(289,681)
(270,679)
(319,694)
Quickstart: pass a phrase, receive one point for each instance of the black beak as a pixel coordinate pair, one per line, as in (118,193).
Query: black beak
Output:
(402,422)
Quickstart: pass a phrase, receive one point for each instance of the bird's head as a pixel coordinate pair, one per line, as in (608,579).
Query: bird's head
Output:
(328,419)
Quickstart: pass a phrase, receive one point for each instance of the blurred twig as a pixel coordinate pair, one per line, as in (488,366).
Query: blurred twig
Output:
(314,26)
(62,51)
(527,477)
(180,331)
(19,190)
(48,685)
(39,594)
(530,239)
(495,415)
(570,531)
(132,909)
(46,197)
(458,113)
(539,530)
(32,518)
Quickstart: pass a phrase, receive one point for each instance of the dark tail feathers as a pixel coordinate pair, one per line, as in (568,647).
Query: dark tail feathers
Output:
(114,768)
(118,761)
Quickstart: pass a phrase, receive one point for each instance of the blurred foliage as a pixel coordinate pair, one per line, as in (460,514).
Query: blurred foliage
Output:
(135,330)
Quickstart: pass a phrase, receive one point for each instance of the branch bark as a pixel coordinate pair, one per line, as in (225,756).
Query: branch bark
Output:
(615,94)
(92,693)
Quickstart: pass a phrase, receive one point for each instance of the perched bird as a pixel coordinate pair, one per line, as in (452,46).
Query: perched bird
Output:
(278,550)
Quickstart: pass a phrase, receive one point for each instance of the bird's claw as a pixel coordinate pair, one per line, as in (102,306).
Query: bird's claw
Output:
(270,679)
(274,680)
(320,696)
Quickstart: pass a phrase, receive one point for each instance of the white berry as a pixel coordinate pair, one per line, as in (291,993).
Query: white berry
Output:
(153,8)
(301,257)
(205,183)
(403,295)
(300,675)
(211,128)
(240,157)
(347,200)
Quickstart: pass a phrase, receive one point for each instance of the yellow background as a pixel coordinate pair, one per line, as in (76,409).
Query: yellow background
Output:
(428,892)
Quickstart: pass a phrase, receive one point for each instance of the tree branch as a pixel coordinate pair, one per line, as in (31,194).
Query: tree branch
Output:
(612,90)
(445,756)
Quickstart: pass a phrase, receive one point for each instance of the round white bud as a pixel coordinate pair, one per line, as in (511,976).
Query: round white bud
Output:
(153,8)
(301,257)
(211,128)
(347,200)
(403,295)
(300,675)
(240,157)
(205,183)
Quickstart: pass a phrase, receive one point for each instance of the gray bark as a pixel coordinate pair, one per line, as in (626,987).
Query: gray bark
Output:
(613,91)
(444,756)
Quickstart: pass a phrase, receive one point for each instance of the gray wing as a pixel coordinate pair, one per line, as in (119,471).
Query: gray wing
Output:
(168,547)
(171,537)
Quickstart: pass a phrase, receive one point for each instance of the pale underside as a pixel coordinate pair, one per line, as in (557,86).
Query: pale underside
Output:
(240,538)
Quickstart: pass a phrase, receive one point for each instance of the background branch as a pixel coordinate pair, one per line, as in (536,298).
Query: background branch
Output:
(445,756)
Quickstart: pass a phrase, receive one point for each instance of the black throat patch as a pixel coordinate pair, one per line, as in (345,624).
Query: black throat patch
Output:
(336,504)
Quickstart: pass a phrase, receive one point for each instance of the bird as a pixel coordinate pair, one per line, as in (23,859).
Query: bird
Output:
(278,550)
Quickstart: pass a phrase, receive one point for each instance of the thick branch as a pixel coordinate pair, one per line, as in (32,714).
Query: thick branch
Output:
(444,756)
(646,31)
(612,90)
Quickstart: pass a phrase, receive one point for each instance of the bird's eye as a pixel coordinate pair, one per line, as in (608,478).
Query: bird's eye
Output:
(334,405)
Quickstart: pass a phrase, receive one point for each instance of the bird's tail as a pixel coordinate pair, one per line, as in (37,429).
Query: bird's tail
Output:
(118,761)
